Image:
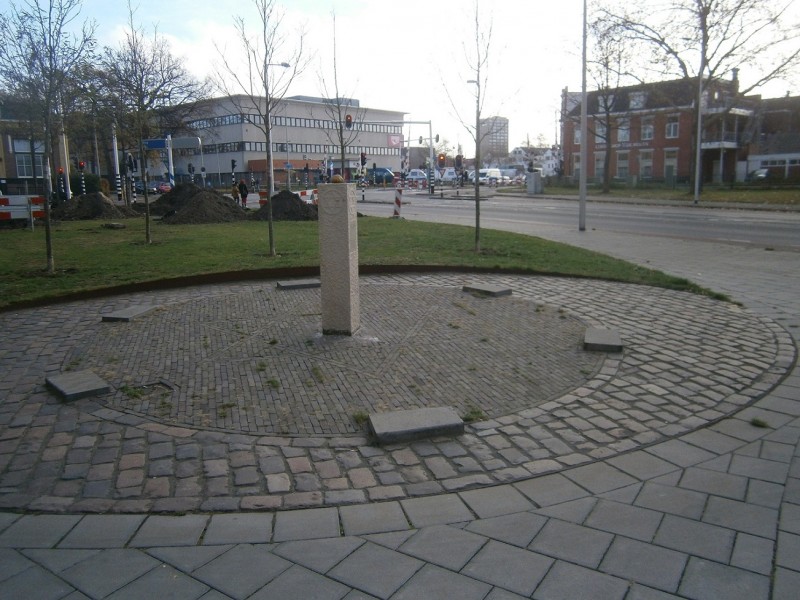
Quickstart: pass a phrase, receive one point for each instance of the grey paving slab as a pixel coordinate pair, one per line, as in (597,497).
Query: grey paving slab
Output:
(758,468)
(517,529)
(599,477)
(415,424)
(238,528)
(508,567)
(372,518)
(487,290)
(566,581)
(788,554)
(127,314)
(318,555)
(58,560)
(550,489)
(298,582)
(298,284)
(575,511)
(680,453)
(37,531)
(600,339)
(715,483)
(168,530)
(78,384)
(753,553)
(102,531)
(786,584)
(698,539)
(376,570)
(242,570)
(434,582)
(571,542)
(496,501)
(642,465)
(442,545)
(631,521)
(706,580)
(436,510)
(644,563)
(306,524)
(188,559)
(13,562)
(161,582)
(748,518)
(46,585)
(670,499)
(106,572)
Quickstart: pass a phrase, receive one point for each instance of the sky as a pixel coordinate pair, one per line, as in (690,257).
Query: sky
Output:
(411,56)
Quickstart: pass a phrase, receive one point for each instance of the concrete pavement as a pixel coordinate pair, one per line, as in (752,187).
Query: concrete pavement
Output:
(700,503)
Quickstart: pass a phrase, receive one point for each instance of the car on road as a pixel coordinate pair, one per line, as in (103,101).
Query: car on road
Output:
(151,187)
(416,176)
(380,175)
(489,176)
(163,187)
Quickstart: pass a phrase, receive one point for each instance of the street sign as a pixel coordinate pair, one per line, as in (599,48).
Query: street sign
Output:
(288,165)
(155,144)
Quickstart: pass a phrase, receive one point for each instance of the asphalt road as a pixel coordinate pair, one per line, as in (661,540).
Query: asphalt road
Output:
(761,228)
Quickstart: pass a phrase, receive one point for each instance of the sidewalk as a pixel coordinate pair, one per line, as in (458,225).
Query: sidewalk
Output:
(640,497)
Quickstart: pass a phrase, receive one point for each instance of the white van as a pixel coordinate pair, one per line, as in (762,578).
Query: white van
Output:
(489,176)
(447,175)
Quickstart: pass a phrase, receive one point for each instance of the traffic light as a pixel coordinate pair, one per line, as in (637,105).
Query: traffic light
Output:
(191,168)
(60,170)
(363,158)
(440,160)
(420,140)
(233,165)
(81,165)
(348,122)
(459,161)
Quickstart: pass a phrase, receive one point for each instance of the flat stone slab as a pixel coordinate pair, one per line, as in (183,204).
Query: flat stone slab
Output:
(598,339)
(128,314)
(78,384)
(298,284)
(487,290)
(419,423)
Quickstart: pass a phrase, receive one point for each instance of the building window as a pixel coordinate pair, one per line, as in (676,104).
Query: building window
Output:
(670,163)
(576,136)
(638,99)
(647,128)
(622,165)
(599,164)
(599,132)
(624,131)
(646,163)
(672,127)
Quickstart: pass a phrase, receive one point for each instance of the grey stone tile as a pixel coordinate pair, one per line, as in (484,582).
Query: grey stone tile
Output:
(319,555)
(162,530)
(764,493)
(299,582)
(631,521)
(445,546)
(788,554)
(37,531)
(6,519)
(238,528)
(505,566)
(669,499)
(495,501)
(392,540)
(501,594)
(102,531)
(644,563)
(713,482)
(566,581)
(518,529)
(641,592)
(790,517)
(571,542)
(758,468)
(713,441)
(680,453)
(188,559)
(434,582)
(46,585)
(599,477)
(107,571)
(376,570)
(625,495)
(13,562)
(436,510)
(706,580)
(786,583)
(242,570)
(695,538)
(372,518)
(642,465)
(753,553)
(311,523)
(749,518)
(575,511)
(550,489)
(161,582)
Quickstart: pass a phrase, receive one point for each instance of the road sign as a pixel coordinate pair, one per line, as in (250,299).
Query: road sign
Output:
(155,144)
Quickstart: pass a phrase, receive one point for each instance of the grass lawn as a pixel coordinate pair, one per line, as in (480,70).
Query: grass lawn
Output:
(90,257)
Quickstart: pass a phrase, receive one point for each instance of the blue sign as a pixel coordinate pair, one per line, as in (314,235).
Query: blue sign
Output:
(155,144)
(288,165)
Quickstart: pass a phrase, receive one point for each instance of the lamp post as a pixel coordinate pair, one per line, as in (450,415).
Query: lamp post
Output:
(477,163)
(285,65)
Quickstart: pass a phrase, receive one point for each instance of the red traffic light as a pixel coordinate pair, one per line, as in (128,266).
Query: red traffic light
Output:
(348,122)
(363,158)
(60,170)
(441,160)
(81,165)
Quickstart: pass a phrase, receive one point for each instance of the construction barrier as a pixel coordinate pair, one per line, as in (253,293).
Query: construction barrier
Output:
(398,201)
(21,207)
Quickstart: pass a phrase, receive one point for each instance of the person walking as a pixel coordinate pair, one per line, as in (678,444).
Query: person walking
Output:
(235,193)
(243,192)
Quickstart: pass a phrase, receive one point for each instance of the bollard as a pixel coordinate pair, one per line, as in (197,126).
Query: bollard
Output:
(398,197)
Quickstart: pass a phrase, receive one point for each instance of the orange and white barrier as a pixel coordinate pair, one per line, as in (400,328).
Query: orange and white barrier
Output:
(398,201)
(21,207)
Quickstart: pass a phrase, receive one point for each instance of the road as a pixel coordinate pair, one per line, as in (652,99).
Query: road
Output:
(766,229)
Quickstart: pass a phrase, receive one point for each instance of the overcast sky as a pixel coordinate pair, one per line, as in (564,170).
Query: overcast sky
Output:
(408,55)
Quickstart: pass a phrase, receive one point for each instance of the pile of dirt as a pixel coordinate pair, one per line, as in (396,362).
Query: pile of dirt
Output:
(90,206)
(287,206)
(188,204)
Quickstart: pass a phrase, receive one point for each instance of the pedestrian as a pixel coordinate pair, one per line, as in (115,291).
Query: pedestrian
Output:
(235,193)
(243,192)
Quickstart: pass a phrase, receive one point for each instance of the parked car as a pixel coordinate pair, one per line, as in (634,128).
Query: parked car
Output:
(416,176)
(380,175)
(163,187)
(758,175)
(489,176)
(151,187)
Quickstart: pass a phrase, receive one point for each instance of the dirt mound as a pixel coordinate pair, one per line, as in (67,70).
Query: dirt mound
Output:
(188,204)
(287,206)
(90,206)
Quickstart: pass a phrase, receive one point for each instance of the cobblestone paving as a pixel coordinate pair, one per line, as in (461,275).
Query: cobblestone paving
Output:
(688,361)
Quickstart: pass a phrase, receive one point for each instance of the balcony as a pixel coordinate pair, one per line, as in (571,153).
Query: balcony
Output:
(721,141)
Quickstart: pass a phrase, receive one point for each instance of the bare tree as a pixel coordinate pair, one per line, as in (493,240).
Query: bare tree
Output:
(257,87)
(152,90)
(703,40)
(37,57)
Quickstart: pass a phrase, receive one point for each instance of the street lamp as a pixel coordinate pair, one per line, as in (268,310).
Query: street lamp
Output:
(285,65)
(477,163)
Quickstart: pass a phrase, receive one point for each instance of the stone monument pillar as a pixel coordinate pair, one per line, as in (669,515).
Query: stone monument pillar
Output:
(338,262)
